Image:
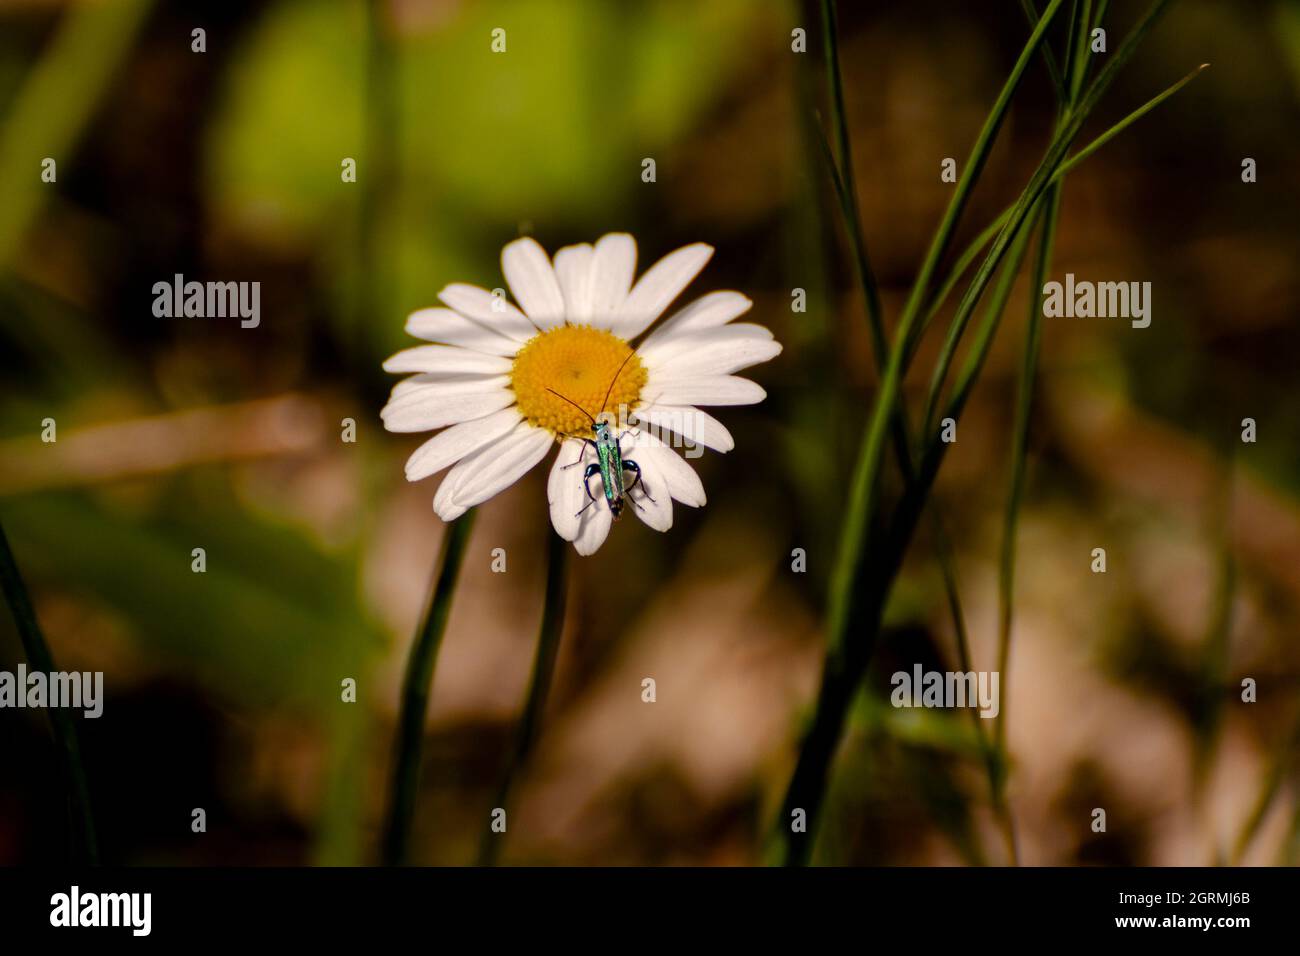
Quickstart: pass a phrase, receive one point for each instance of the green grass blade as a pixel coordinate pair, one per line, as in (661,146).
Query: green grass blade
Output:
(858,249)
(988,752)
(1103,6)
(807,787)
(964,261)
(1075,52)
(846,181)
(979,350)
(1077,44)
(995,758)
(948,567)
(905,516)
(1120,59)
(909,508)
(863,496)
(415,692)
(55,104)
(853,229)
(846,194)
(1049,58)
(1043,176)
(1019,452)
(82,839)
(972,251)
(1126,122)
(843,672)
(846,661)
(974,167)
(857,598)
(548,645)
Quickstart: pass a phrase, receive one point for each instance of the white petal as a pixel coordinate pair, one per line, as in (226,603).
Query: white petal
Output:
(706,390)
(448,325)
(668,468)
(490,470)
(655,354)
(656,290)
(410,388)
(408,385)
(573,270)
(532,280)
(452,444)
(706,312)
(689,422)
(446,361)
(719,361)
(496,312)
(564,490)
(612,268)
(596,522)
(457,383)
(422,407)
(650,496)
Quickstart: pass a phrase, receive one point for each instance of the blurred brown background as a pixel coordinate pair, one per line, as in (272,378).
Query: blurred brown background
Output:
(223,688)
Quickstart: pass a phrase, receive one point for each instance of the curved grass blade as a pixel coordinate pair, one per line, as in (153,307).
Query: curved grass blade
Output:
(845,191)
(1020,430)
(82,839)
(843,182)
(548,645)
(974,167)
(866,278)
(846,194)
(857,598)
(415,692)
(990,755)
(846,182)
(972,251)
(1019,455)
(1045,173)
(1049,58)
(842,669)
(863,494)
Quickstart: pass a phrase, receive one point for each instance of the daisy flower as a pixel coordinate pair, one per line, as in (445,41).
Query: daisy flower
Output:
(506,383)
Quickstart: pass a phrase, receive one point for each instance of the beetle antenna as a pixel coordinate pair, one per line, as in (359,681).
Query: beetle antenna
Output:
(573,403)
(610,391)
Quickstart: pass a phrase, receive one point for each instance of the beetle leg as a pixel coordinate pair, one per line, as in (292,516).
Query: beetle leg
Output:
(585,443)
(630,465)
(592,469)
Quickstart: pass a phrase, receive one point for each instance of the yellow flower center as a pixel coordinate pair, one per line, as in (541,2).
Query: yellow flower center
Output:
(580,363)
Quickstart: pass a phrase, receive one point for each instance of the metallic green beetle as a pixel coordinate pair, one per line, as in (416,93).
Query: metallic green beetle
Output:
(610,463)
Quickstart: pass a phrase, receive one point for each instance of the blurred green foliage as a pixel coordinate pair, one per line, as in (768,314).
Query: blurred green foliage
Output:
(551,132)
